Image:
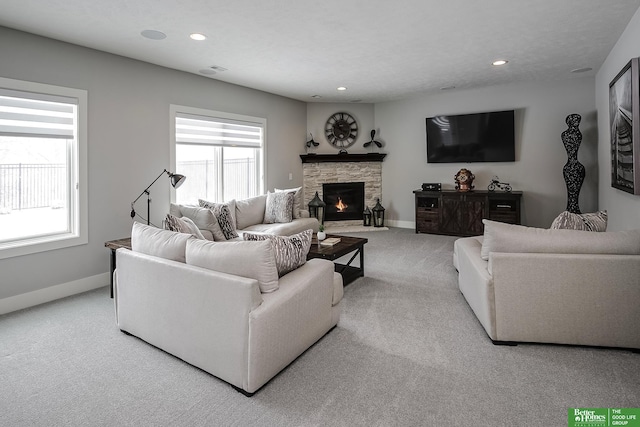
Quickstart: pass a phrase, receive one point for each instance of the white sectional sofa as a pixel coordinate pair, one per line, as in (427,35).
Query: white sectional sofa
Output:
(247,215)
(202,302)
(553,286)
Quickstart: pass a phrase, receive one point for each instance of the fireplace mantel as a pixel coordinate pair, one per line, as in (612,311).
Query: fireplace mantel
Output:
(327,158)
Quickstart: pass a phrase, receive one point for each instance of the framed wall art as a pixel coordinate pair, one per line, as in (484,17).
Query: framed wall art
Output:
(624,113)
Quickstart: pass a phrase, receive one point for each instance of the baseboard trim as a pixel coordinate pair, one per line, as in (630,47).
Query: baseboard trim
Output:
(400,224)
(41,296)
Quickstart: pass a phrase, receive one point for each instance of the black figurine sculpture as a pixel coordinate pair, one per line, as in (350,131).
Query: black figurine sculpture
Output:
(573,170)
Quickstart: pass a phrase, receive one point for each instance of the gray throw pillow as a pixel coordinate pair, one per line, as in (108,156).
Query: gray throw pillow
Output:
(182,225)
(223,214)
(297,200)
(290,251)
(594,221)
(278,208)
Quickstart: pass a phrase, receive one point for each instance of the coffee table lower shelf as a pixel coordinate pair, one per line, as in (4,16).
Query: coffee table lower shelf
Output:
(346,246)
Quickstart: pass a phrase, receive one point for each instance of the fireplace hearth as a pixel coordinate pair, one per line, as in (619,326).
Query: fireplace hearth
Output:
(345,201)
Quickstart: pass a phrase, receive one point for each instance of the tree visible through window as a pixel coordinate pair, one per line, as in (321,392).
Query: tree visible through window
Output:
(222,158)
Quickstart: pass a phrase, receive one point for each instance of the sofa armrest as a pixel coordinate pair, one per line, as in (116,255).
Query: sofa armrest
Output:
(475,282)
(567,298)
(290,320)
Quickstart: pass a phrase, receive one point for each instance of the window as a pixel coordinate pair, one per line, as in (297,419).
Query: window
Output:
(42,167)
(221,154)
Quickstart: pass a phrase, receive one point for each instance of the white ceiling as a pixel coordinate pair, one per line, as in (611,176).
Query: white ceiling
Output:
(380,50)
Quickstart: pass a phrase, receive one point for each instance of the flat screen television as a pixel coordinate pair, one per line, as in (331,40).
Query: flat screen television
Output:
(464,138)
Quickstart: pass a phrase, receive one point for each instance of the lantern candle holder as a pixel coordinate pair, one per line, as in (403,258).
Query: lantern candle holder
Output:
(378,214)
(317,208)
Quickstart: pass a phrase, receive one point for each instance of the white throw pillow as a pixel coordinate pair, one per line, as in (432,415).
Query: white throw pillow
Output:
(278,208)
(290,251)
(297,201)
(222,211)
(182,225)
(203,218)
(250,211)
(254,260)
(501,237)
(157,242)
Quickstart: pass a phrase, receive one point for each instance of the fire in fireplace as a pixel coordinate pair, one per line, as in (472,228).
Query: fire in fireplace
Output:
(345,201)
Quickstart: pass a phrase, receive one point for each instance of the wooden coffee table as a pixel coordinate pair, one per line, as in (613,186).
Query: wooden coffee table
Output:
(346,245)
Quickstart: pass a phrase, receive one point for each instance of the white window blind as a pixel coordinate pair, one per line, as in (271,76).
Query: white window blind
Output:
(49,117)
(194,129)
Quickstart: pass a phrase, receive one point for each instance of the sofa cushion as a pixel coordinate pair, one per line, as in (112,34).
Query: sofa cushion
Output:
(501,237)
(253,260)
(222,212)
(182,225)
(594,221)
(203,218)
(250,211)
(157,242)
(297,200)
(278,208)
(290,251)
(285,229)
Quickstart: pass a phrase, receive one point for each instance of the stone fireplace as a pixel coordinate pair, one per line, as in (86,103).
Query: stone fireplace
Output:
(364,169)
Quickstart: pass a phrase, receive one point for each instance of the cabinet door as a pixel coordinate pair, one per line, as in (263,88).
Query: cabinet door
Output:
(451,221)
(474,210)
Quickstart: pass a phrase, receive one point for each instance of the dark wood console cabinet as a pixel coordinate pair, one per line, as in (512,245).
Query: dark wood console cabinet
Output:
(460,213)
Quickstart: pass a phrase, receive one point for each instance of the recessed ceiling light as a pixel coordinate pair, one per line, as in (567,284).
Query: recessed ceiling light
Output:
(153,34)
(218,68)
(499,62)
(582,70)
(198,36)
(342,88)
(316,96)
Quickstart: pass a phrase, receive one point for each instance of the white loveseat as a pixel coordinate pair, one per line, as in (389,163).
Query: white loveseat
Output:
(553,286)
(169,293)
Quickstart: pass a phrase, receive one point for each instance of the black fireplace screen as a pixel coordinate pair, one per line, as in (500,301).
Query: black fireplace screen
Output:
(345,201)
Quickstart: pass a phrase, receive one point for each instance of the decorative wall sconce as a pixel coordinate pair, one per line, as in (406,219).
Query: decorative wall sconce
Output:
(316,208)
(372,142)
(378,214)
(311,142)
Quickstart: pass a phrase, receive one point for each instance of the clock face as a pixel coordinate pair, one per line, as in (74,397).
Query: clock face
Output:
(341,130)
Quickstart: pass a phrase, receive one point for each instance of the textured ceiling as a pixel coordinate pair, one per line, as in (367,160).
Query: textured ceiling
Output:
(380,50)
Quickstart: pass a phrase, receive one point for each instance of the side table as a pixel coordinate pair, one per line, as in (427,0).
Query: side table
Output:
(114,245)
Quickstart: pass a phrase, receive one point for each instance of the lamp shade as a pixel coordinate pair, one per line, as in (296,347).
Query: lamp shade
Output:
(176,179)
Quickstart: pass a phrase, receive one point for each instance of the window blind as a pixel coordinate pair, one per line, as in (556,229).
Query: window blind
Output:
(48,116)
(194,129)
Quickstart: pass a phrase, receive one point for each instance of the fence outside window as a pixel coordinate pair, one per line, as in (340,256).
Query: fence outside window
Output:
(27,186)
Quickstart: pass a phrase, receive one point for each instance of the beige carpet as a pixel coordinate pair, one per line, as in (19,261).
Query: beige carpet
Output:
(408,351)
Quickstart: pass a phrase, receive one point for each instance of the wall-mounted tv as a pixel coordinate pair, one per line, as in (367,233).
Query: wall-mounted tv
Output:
(465,138)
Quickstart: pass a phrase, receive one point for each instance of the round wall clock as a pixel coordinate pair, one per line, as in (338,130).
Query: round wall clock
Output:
(341,130)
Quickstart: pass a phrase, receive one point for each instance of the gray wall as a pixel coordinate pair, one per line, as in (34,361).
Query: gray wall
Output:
(623,208)
(128,142)
(541,109)
(318,113)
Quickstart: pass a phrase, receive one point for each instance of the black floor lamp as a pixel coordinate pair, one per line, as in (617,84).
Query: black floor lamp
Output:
(176,181)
